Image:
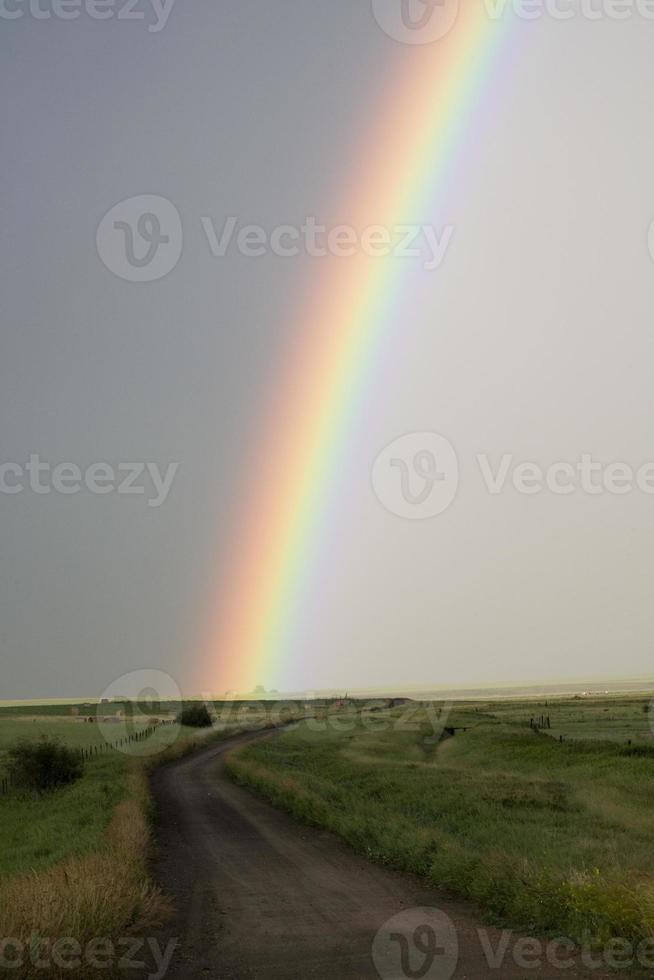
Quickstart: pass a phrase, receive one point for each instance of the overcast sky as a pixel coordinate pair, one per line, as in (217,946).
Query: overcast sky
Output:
(532,340)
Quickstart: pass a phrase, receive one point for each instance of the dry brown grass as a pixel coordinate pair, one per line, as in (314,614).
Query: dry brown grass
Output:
(103,894)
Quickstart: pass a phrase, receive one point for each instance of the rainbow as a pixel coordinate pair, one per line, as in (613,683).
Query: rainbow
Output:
(343,323)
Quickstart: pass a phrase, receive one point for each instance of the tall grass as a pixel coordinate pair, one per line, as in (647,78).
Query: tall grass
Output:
(104,893)
(544,836)
(75,864)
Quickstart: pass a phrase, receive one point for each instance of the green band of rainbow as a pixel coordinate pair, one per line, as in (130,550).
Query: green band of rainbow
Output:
(413,140)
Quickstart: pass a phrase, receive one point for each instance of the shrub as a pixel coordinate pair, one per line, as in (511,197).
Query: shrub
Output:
(44,765)
(195,716)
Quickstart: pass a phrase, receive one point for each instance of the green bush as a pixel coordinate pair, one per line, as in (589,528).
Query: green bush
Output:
(195,716)
(44,765)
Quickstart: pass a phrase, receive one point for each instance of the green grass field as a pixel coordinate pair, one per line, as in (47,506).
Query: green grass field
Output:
(35,834)
(541,835)
(74,862)
(38,832)
(73,733)
(616,719)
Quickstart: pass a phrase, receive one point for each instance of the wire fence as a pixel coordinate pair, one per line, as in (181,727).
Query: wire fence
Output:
(88,752)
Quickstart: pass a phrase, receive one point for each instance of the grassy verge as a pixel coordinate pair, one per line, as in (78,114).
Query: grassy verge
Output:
(74,864)
(102,893)
(544,836)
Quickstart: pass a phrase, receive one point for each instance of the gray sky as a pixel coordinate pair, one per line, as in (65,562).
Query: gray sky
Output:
(532,339)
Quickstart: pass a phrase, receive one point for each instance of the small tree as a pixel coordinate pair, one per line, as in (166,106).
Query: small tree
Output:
(195,716)
(44,765)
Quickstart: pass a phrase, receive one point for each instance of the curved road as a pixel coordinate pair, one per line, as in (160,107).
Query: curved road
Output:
(260,896)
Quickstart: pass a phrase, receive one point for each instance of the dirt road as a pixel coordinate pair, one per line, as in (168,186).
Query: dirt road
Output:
(261,896)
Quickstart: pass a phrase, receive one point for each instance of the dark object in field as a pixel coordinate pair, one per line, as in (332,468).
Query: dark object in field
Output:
(448,732)
(195,716)
(44,765)
(638,751)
